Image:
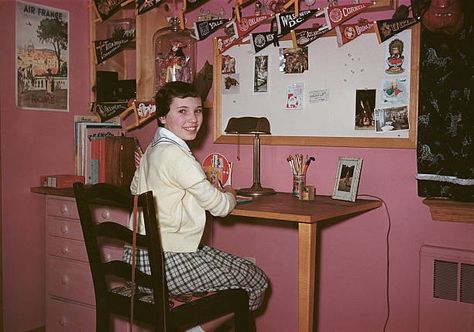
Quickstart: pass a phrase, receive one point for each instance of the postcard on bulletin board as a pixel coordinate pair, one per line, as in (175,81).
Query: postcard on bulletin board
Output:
(362,94)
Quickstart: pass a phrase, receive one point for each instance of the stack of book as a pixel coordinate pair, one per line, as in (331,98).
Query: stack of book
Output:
(89,146)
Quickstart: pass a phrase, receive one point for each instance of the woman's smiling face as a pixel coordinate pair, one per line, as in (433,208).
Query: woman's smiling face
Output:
(184,118)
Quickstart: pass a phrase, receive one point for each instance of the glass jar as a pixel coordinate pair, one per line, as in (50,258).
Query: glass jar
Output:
(175,54)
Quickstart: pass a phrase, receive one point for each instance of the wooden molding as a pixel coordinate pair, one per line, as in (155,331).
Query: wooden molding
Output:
(446,210)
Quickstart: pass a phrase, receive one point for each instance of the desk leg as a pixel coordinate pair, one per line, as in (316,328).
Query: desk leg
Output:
(306,275)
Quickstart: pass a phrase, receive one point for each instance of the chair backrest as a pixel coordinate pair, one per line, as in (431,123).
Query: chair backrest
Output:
(96,205)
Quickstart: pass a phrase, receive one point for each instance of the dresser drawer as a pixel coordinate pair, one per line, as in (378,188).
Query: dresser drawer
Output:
(116,215)
(66,248)
(70,280)
(61,207)
(64,316)
(68,229)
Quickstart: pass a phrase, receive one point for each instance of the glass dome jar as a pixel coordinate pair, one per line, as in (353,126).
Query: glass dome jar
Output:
(175,54)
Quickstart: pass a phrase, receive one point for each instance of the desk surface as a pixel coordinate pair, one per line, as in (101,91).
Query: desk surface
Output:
(284,206)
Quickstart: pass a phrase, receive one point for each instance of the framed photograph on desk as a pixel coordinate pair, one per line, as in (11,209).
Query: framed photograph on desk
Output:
(347,179)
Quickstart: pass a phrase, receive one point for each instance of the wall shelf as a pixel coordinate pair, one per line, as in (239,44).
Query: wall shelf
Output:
(446,210)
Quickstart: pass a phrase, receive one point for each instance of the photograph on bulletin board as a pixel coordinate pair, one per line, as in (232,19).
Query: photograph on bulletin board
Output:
(42,57)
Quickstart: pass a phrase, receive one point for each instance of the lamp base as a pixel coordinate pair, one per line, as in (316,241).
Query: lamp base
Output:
(256,190)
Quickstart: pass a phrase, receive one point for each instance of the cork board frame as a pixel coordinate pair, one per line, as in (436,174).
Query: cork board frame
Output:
(224,108)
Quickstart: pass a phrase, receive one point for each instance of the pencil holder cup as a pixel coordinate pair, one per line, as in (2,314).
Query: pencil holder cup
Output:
(299,182)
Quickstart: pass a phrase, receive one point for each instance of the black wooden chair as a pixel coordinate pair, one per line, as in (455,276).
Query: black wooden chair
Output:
(112,279)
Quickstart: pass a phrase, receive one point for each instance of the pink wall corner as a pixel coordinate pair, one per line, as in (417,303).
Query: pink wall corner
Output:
(34,143)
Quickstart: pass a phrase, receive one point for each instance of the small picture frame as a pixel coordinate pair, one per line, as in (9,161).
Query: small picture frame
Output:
(347,179)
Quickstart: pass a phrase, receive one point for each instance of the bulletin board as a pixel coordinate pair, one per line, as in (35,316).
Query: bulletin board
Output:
(332,92)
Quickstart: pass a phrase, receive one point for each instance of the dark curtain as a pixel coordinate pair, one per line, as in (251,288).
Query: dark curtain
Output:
(446,113)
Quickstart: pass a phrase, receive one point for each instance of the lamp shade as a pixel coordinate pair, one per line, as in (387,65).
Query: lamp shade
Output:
(254,126)
(248,125)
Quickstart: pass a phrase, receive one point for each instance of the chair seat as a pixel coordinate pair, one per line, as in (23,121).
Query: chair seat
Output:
(174,300)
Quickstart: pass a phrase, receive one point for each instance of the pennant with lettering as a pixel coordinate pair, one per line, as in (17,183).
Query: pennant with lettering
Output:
(385,29)
(190,5)
(339,14)
(288,21)
(143,111)
(145,5)
(109,110)
(104,49)
(239,30)
(348,32)
(303,37)
(261,40)
(203,29)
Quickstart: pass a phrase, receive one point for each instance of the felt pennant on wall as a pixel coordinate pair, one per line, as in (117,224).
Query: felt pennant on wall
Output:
(203,29)
(261,40)
(288,21)
(303,37)
(339,14)
(385,29)
(104,49)
(190,5)
(144,6)
(239,30)
(348,32)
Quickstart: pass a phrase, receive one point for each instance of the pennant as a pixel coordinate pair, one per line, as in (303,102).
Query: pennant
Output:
(109,110)
(104,49)
(288,21)
(145,5)
(239,30)
(348,32)
(385,29)
(190,5)
(303,37)
(340,14)
(106,9)
(203,29)
(143,111)
(260,40)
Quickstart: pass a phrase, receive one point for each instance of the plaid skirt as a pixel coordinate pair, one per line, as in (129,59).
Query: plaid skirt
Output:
(206,270)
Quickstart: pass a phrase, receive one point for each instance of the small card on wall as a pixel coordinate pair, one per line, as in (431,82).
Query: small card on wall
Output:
(294,96)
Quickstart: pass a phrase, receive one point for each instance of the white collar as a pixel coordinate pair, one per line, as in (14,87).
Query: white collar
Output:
(163,135)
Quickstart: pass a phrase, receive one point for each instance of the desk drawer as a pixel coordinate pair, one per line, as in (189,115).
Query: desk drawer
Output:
(66,248)
(70,280)
(67,317)
(64,228)
(61,207)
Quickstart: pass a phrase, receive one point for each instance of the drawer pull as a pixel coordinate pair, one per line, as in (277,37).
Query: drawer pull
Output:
(64,209)
(64,229)
(65,280)
(65,250)
(63,321)
(106,214)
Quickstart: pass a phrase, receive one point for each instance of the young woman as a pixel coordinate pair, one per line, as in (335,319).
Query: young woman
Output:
(183,196)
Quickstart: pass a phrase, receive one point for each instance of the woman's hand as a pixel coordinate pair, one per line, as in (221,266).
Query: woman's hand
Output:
(229,189)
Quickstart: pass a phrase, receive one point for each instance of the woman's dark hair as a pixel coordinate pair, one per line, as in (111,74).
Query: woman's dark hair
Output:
(164,97)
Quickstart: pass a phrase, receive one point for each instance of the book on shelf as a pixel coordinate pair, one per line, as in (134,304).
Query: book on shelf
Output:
(112,160)
(60,181)
(85,133)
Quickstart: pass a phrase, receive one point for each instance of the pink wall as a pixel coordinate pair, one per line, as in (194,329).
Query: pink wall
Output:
(34,143)
(352,284)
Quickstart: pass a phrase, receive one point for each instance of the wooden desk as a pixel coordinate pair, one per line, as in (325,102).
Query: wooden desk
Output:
(307,214)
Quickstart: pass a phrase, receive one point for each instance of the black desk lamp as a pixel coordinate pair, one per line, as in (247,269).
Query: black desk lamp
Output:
(257,127)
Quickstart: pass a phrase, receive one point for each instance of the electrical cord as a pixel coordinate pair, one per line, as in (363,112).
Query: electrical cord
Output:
(387,241)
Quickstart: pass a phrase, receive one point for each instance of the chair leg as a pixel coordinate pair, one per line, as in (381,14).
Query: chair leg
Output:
(102,320)
(243,318)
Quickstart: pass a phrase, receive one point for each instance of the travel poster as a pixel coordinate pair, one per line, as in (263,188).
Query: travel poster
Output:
(42,57)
